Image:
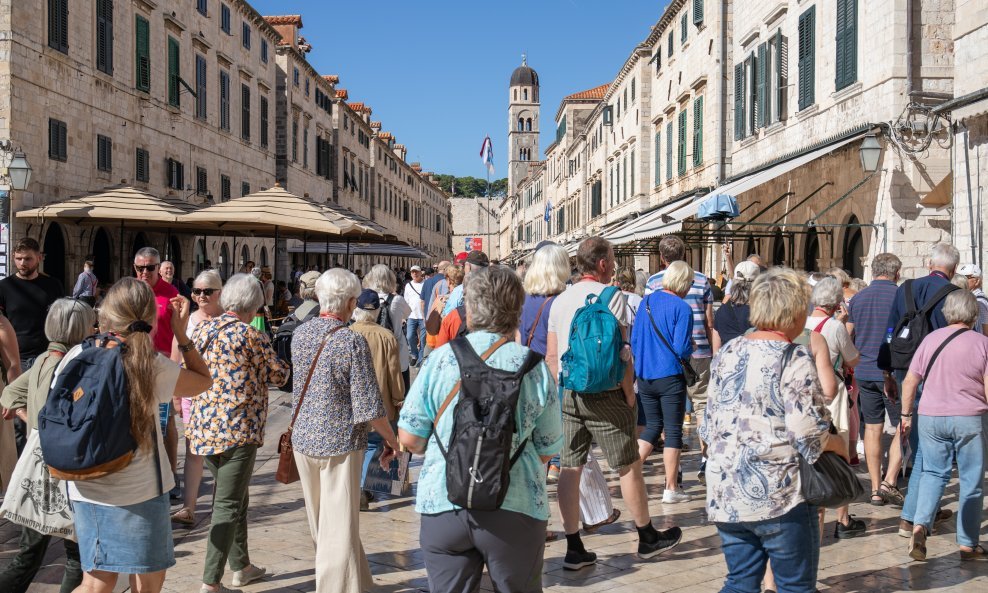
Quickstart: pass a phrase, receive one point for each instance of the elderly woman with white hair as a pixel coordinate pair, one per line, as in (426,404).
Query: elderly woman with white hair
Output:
(952,422)
(336,405)
(226,423)
(394,311)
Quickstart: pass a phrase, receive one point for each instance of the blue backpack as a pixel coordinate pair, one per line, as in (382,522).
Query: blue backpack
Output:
(593,362)
(84,426)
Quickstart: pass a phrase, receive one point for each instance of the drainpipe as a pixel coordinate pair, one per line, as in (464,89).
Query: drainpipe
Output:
(909,48)
(722,95)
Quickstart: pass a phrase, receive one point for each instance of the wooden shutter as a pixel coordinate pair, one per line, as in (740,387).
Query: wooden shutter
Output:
(224,101)
(264,122)
(684,28)
(847,43)
(697,12)
(245,112)
(201,105)
(668,151)
(760,70)
(58,25)
(173,72)
(141,164)
(104,36)
(683,115)
(698,131)
(658,156)
(739,102)
(781,74)
(143,53)
(807,55)
(52,139)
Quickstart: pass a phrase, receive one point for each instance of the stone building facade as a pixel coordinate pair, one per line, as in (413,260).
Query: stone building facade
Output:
(475,224)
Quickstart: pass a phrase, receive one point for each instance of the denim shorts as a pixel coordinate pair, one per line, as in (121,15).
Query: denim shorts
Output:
(135,539)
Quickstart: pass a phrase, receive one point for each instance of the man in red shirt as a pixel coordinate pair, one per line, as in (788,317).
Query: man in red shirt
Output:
(147,265)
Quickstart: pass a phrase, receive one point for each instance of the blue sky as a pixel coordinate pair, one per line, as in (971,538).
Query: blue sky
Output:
(436,72)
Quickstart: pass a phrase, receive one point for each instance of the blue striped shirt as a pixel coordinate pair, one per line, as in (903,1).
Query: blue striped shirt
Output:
(869,312)
(698,298)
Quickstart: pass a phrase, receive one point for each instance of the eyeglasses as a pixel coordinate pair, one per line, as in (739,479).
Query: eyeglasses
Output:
(204,291)
(147,268)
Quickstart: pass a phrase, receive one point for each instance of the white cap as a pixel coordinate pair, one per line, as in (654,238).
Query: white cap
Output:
(746,270)
(969,270)
(415,269)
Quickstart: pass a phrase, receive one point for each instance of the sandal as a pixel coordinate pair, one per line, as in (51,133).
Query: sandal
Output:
(185,516)
(978,553)
(877,498)
(891,494)
(917,545)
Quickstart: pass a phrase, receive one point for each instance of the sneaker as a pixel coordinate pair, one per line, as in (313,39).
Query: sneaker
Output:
(175,494)
(365,499)
(220,588)
(552,476)
(701,476)
(248,575)
(675,496)
(668,540)
(854,528)
(860,448)
(575,560)
(906,527)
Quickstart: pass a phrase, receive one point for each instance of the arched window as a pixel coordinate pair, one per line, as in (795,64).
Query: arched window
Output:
(516,94)
(811,251)
(853,249)
(525,92)
(521,124)
(528,124)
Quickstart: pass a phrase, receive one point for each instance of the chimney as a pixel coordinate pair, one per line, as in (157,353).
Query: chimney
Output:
(288,27)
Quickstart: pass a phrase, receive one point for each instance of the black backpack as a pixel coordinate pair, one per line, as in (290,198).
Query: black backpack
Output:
(384,317)
(914,326)
(282,341)
(478,456)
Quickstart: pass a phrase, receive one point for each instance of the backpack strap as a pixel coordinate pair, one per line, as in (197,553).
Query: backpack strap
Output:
(535,324)
(461,311)
(607,295)
(937,297)
(936,353)
(907,288)
(461,347)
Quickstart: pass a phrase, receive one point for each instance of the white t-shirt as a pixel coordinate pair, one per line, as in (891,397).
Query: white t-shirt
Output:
(399,313)
(413,295)
(565,306)
(838,340)
(138,481)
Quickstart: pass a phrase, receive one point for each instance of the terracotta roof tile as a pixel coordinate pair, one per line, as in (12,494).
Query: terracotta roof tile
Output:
(595,94)
(288,19)
(386,136)
(375,125)
(342,94)
(358,107)
(332,78)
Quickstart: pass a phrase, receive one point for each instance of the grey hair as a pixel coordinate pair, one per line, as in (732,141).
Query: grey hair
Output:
(945,255)
(307,292)
(827,293)
(380,278)
(641,281)
(886,265)
(336,287)
(740,291)
(151,252)
(361,315)
(494,297)
(210,278)
(959,281)
(242,294)
(960,306)
(69,322)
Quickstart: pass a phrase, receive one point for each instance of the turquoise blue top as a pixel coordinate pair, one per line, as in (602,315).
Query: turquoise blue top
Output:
(539,420)
(455,300)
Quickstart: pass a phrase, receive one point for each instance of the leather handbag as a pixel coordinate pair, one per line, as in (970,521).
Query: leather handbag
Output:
(287,472)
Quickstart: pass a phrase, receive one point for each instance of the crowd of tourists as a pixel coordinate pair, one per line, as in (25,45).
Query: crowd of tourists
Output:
(523,377)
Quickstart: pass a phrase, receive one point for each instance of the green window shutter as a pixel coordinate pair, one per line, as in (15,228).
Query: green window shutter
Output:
(632,172)
(807,55)
(668,151)
(104,36)
(684,27)
(847,43)
(760,70)
(738,100)
(245,112)
(173,72)
(781,73)
(698,131)
(658,157)
(670,43)
(681,156)
(142,31)
(766,72)
(697,12)
(201,105)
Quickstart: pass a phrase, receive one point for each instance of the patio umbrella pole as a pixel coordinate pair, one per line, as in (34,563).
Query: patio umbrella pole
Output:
(122,268)
(234,254)
(275,272)
(328,265)
(346,259)
(305,252)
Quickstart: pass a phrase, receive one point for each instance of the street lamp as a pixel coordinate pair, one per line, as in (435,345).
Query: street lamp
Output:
(870,152)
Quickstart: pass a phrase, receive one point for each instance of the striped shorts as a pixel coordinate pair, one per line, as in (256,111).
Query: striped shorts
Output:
(601,417)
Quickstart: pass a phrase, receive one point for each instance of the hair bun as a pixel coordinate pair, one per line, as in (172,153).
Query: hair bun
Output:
(140,326)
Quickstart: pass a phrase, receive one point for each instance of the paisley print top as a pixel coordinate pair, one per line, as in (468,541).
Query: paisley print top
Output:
(234,410)
(756,428)
(539,419)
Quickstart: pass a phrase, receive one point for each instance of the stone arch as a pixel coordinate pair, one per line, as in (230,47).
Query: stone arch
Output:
(173,254)
(55,253)
(811,250)
(102,254)
(224,262)
(528,124)
(778,249)
(264,256)
(853,249)
(200,256)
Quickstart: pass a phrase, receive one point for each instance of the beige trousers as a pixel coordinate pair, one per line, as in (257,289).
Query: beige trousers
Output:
(331,487)
(8,452)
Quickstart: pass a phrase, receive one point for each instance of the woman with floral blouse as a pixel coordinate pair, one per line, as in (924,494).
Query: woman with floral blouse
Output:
(330,434)
(226,423)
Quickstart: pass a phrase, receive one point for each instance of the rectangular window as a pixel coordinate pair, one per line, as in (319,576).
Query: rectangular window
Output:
(624,178)
(202,181)
(104,36)
(669,151)
(781,49)
(739,102)
(633,81)
(632,172)
(295,141)
(245,35)
(264,51)
(142,165)
(201,108)
(58,25)
(847,43)
(224,188)
(225,18)
(224,101)
(295,77)
(684,27)
(698,131)
(697,12)
(202,7)
(760,88)
(174,72)
(264,122)
(305,147)
(245,112)
(306,87)
(657,149)
(681,160)
(175,172)
(244,189)
(142,54)
(671,44)
(807,55)
(104,153)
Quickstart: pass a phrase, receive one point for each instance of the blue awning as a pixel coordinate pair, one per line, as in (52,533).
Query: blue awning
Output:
(718,207)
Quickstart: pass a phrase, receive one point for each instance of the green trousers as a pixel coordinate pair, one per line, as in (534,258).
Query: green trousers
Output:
(232,470)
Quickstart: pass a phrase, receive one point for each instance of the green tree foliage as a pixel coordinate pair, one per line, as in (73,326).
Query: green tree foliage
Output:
(471,186)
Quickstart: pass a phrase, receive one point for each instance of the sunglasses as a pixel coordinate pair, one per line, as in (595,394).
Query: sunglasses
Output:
(204,291)
(147,268)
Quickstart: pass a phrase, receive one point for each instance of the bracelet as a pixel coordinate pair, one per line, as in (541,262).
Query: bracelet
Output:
(186,348)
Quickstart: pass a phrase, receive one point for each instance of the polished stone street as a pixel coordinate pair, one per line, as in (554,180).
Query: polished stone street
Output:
(279,540)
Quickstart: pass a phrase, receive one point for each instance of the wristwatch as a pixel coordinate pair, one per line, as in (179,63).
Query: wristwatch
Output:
(186,348)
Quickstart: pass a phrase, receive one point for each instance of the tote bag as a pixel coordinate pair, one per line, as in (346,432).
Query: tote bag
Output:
(35,499)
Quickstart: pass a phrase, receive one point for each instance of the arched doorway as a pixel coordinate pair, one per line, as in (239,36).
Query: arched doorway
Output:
(224,263)
(140,242)
(244,257)
(102,257)
(200,256)
(750,247)
(778,249)
(54,253)
(264,256)
(174,255)
(853,251)
(811,251)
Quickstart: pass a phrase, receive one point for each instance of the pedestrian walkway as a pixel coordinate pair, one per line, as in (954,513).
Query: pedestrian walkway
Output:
(279,541)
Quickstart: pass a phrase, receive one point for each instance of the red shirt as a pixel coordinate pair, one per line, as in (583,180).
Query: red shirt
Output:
(163,335)
(449,328)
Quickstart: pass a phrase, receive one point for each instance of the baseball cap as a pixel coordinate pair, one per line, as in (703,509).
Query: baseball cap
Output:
(969,270)
(368,300)
(478,258)
(460,257)
(415,269)
(543,244)
(746,270)
(308,279)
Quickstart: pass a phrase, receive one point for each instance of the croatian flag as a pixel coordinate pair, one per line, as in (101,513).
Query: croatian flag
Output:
(487,154)
(548,210)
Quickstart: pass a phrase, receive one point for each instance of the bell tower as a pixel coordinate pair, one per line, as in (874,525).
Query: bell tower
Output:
(523,124)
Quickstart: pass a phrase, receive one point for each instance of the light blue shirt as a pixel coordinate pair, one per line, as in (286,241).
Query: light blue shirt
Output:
(539,420)
(455,300)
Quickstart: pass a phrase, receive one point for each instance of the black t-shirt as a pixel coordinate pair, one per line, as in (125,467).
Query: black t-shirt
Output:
(731,321)
(25,303)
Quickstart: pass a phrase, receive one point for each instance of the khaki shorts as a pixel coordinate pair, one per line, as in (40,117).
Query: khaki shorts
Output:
(601,417)
(698,392)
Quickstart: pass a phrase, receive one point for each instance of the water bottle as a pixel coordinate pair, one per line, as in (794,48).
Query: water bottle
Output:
(888,335)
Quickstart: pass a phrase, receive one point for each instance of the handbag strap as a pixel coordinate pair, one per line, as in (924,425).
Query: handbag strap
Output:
(456,388)
(308,376)
(648,309)
(936,353)
(535,324)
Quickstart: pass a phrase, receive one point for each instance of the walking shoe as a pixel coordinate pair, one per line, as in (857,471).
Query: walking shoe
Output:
(365,499)
(906,527)
(854,528)
(917,545)
(976,553)
(175,494)
(248,575)
(891,494)
(615,515)
(577,559)
(675,496)
(701,476)
(667,540)
(220,588)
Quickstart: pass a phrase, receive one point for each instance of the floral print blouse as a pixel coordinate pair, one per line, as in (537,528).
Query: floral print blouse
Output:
(539,420)
(233,412)
(756,428)
(343,395)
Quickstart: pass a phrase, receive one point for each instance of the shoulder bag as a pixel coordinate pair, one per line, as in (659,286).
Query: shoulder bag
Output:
(689,374)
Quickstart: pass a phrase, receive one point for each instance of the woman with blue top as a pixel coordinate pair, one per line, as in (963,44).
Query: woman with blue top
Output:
(661,345)
(456,542)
